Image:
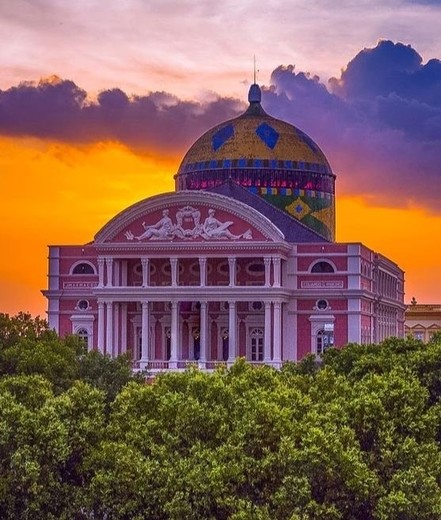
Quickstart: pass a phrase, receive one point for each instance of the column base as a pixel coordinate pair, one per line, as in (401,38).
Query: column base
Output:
(143,363)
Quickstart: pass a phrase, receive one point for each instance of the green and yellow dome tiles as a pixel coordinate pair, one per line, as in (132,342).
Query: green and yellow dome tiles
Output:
(270,158)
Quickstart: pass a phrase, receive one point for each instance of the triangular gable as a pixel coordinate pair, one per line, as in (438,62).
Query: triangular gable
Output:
(188,216)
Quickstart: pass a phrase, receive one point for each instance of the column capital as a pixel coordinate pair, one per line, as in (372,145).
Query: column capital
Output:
(267,260)
(101,260)
(145,260)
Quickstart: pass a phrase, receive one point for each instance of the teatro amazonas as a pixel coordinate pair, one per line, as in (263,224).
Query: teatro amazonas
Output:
(240,260)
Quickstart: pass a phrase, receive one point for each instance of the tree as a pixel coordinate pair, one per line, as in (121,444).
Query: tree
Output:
(22,325)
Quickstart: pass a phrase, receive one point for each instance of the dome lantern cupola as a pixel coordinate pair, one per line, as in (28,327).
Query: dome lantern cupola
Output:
(271,158)
(254,94)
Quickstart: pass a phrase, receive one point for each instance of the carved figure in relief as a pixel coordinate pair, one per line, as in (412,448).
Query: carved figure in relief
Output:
(188,227)
(214,228)
(164,228)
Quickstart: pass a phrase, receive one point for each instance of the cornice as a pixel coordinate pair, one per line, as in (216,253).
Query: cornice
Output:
(171,199)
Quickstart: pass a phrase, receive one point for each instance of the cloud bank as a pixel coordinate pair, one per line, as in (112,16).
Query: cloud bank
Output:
(379,123)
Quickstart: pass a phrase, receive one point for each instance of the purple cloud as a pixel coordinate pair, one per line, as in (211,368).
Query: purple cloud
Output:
(379,123)
(59,109)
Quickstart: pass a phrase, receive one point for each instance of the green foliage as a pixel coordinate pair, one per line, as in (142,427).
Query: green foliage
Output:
(14,328)
(356,436)
(105,373)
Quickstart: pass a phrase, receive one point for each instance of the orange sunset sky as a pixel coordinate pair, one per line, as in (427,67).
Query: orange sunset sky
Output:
(71,156)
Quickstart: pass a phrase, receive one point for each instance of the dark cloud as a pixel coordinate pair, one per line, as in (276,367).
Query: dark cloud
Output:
(60,110)
(379,123)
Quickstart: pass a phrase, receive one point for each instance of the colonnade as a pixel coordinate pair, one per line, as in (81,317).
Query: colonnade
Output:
(110,273)
(112,331)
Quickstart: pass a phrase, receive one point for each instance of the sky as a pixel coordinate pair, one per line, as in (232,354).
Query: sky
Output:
(100,100)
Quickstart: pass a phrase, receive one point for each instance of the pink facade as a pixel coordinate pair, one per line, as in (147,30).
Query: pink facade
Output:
(240,270)
(183,296)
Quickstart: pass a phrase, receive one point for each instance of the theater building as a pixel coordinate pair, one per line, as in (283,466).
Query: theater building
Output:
(240,260)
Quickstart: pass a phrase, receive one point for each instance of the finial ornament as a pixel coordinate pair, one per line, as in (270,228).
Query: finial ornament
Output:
(254,94)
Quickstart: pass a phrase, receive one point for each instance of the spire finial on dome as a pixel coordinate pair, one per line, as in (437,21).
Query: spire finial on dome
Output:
(254,94)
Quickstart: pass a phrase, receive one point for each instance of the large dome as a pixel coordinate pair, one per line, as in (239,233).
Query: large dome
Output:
(270,158)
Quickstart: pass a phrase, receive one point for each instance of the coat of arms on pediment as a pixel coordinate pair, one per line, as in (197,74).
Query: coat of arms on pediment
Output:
(188,226)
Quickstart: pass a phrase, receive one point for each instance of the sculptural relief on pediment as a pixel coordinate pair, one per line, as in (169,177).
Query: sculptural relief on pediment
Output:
(189,223)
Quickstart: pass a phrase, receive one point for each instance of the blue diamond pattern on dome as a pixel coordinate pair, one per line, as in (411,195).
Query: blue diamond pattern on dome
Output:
(222,136)
(268,135)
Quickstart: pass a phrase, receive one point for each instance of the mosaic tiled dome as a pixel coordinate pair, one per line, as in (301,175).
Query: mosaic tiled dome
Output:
(271,158)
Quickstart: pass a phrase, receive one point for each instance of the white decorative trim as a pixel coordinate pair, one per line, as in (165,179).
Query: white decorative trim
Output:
(212,201)
(83,261)
(327,260)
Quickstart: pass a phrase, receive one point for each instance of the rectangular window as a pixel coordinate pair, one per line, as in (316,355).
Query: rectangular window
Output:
(257,349)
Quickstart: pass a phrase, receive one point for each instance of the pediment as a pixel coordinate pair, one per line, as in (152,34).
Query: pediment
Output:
(189,216)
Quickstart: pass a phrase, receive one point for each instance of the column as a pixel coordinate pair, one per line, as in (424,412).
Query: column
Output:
(174,271)
(232,331)
(145,333)
(267,262)
(145,272)
(101,324)
(203,271)
(204,334)
(123,328)
(277,333)
(267,338)
(232,270)
(173,363)
(109,329)
(116,321)
(109,265)
(101,271)
(276,264)
(117,274)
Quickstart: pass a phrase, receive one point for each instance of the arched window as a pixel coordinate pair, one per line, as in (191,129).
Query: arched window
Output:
(83,268)
(322,267)
(256,344)
(83,335)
